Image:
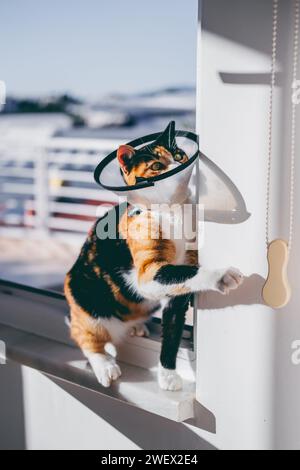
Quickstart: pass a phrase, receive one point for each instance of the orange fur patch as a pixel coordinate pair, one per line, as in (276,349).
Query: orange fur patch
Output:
(87,333)
(192,258)
(162,152)
(137,311)
(148,249)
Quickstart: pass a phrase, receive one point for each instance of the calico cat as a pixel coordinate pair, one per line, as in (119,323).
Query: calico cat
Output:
(117,284)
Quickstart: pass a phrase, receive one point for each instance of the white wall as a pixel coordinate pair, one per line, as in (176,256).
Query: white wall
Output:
(64,416)
(244,348)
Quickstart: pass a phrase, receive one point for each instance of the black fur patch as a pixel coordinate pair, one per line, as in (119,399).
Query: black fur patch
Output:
(171,274)
(100,259)
(172,325)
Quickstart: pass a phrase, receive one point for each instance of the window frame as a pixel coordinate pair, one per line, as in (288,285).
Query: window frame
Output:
(48,318)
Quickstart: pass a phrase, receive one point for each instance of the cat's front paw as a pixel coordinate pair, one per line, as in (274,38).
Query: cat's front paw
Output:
(105,369)
(168,379)
(230,280)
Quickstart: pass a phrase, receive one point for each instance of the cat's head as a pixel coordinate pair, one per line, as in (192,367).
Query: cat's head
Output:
(151,160)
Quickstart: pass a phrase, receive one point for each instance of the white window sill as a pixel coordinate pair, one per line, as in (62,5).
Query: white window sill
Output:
(138,386)
(33,327)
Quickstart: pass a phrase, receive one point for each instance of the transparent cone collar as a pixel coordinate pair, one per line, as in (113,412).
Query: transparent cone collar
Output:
(171,187)
(219,197)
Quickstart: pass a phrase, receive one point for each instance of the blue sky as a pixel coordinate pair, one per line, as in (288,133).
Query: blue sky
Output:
(95,47)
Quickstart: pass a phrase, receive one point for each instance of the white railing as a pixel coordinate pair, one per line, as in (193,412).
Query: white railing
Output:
(50,188)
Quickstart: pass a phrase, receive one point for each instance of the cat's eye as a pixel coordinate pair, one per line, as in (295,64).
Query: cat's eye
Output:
(178,157)
(157,166)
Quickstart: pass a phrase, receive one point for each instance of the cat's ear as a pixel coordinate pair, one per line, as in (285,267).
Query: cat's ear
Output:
(168,137)
(124,155)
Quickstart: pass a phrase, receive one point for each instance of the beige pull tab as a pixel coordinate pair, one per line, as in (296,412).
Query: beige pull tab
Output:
(277,291)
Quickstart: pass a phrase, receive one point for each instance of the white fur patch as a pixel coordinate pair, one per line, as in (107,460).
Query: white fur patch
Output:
(231,280)
(169,379)
(151,290)
(220,280)
(111,349)
(117,328)
(203,281)
(105,368)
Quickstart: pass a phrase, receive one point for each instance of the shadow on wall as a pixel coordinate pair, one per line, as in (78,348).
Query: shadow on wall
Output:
(249,293)
(258,14)
(249,78)
(146,430)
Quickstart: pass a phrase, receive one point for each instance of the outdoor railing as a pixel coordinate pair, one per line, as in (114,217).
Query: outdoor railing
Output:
(50,188)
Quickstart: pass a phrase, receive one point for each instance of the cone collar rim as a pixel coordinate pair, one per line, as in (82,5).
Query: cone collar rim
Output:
(149,182)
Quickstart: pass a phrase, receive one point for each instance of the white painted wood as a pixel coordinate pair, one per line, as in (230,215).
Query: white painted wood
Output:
(138,387)
(45,315)
(245,376)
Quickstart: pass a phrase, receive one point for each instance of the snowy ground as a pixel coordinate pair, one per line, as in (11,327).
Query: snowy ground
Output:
(30,129)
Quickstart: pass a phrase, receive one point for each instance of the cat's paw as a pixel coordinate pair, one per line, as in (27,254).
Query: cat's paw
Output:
(140,330)
(169,379)
(105,369)
(230,280)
